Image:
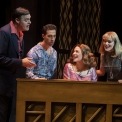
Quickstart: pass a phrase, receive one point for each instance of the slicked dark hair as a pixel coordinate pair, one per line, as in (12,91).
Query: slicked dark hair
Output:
(18,12)
(48,27)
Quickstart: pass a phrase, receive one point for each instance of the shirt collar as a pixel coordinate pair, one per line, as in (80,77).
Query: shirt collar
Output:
(14,30)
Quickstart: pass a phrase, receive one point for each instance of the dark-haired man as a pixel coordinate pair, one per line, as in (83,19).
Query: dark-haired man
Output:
(11,52)
(44,55)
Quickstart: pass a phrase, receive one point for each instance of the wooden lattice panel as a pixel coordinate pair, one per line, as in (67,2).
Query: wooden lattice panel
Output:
(79,23)
(88,28)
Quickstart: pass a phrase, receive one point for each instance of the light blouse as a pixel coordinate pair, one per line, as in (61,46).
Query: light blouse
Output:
(87,75)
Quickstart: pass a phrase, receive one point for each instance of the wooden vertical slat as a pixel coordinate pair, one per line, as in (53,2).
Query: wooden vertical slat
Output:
(48,112)
(109,113)
(20,111)
(78,112)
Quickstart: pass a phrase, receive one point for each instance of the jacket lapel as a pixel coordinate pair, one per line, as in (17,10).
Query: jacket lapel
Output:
(14,40)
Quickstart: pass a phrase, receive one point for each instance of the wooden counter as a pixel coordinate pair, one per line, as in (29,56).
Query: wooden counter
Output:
(68,101)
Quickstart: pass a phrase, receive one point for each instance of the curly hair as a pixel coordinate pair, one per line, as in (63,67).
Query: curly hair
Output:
(88,57)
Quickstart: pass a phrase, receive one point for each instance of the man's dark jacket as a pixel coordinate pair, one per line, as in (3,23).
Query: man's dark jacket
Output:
(9,60)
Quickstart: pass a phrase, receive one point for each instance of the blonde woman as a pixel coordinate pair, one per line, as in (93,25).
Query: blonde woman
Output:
(111,56)
(81,65)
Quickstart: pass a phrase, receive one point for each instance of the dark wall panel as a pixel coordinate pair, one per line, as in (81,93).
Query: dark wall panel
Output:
(111,18)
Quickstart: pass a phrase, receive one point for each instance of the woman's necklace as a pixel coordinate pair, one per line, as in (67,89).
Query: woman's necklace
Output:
(81,73)
(113,67)
(111,73)
(110,66)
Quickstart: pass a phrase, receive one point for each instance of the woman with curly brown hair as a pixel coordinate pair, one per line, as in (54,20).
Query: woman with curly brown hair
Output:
(81,64)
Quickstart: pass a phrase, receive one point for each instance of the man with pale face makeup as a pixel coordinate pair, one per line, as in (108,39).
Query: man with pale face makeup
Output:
(11,53)
(111,57)
(44,55)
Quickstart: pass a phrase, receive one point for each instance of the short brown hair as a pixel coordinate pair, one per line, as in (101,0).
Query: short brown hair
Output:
(48,27)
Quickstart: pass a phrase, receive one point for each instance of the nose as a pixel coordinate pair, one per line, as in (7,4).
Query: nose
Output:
(106,43)
(29,21)
(53,38)
(74,53)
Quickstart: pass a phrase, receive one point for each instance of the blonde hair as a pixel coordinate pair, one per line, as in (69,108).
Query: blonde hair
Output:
(88,57)
(115,38)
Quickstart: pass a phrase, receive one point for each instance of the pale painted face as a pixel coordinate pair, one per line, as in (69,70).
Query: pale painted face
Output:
(24,22)
(77,54)
(108,44)
(49,37)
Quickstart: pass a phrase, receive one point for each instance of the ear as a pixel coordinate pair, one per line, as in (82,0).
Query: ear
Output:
(17,20)
(43,35)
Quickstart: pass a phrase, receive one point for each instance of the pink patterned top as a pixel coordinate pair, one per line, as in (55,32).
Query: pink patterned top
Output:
(87,75)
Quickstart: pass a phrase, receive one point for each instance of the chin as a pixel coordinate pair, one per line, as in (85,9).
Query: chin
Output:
(51,44)
(74,61)
(108,50)
(26,29)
